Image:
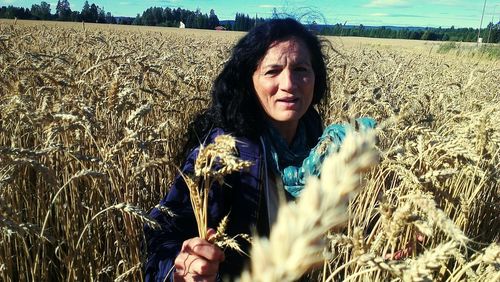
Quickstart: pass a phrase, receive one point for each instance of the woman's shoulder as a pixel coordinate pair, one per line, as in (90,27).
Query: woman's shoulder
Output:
(245,147)
(212,134)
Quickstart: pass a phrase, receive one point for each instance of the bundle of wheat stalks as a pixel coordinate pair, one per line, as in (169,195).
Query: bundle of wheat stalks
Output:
(297,241)
(213,162)
(91,120)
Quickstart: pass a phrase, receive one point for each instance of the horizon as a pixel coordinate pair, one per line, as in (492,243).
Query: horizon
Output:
(401,13)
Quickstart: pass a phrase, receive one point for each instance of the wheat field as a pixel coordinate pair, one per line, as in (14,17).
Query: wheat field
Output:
(92,116)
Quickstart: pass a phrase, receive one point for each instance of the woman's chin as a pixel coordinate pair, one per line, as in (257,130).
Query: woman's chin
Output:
(287,117)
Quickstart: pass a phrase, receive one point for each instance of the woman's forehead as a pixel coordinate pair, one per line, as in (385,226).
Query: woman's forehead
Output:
(291,48)
(291,41)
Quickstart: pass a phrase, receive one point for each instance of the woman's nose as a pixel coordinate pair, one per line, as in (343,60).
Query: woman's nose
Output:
(287,81)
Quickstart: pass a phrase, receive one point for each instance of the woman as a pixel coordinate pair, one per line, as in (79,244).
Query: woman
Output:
(265,97)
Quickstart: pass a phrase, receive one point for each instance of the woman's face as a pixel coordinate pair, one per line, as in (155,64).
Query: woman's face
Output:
(284,82)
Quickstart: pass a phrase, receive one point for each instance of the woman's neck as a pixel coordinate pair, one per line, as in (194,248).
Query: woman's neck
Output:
(287,130)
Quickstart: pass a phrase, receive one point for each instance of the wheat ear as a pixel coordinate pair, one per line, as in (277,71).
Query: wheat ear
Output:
(296,243)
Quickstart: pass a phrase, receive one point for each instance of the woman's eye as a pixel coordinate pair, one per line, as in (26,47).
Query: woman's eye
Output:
(272,72)
(301,69)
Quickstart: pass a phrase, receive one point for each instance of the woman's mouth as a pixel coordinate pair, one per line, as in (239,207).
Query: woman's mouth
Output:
(288,102)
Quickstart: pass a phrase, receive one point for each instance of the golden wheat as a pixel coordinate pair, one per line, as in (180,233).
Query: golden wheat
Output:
(92,117)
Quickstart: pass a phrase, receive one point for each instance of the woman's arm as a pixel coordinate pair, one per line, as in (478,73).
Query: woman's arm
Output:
(166,244)
(239,197)
(198,260)
(163,245)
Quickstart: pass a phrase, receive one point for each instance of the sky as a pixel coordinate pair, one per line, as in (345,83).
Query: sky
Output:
(422,13)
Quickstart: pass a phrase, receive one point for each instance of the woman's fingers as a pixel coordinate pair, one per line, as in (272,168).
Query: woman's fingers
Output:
(420,237)
(193,279)
(404,253)
(400,254)
(187,263)
(211,235)
(203,248)
(198,260)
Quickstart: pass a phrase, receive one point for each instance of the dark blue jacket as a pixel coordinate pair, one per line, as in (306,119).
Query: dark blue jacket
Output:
(241,197)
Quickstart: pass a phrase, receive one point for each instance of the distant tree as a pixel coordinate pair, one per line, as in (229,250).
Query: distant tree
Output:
(63,10)
(101,15)
(372,33)
(125,20)
(426,35)
(415,35)
(470,37)
(213,20)
(12,12)
(137,20)
(85,14)
(179,15)
(148,17)
(243,22)
(76,16)
(205,23)
(158,15)
(403,34)
(190,21)
(94,13)
(35,12)
(167,15)
(495,34)
(198,19)
(238,22)
(42,11)
(110,19)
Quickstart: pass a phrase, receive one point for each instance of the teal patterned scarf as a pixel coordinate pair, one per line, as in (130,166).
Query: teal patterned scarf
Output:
(298,161)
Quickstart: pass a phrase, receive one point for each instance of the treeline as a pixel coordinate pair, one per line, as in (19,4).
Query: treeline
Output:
(435,34)
(63,12)
(243,22)
(154,16)
(157,16)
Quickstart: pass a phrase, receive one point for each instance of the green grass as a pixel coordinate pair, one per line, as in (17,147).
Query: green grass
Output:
(447,47)
(490,51)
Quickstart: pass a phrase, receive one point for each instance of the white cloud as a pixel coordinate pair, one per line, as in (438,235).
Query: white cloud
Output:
(8,2)
(386,3)
(171,1)
(269,6)
(444,2)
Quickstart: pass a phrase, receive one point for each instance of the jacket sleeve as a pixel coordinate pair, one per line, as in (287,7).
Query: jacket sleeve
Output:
(163,245)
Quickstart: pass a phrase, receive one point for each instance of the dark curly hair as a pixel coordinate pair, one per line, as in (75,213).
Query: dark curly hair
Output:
(235,106)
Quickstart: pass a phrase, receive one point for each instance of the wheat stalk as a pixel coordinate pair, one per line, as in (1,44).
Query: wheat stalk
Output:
(421,269)
(213,162)
(440,139)
(296,243)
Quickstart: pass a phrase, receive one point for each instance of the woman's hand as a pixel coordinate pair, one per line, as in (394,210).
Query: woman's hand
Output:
(406,252)
(198,260)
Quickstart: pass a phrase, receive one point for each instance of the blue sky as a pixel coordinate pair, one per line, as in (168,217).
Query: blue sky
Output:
(432,13)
